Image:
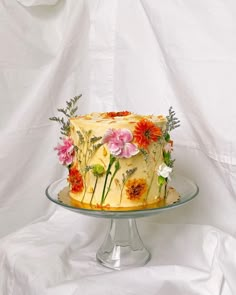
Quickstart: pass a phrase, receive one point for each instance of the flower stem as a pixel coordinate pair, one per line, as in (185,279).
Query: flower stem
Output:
(117,167)
(112,160)
(165,194)
(95,185)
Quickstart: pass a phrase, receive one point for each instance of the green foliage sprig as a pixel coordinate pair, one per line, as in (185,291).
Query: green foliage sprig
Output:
(68,112)
(81,137)
(127,174)
(172,121)
(145,154)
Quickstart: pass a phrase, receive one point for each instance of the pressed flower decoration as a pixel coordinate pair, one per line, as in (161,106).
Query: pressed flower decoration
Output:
(76,180)
(168,148)
(119,143)
(65,151)
(135,188)
(146,132)
(67,112)
(117,114)
(164,171)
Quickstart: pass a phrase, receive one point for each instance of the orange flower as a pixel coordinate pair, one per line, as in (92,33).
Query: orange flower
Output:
(145,132)
(135,188)
(76,180)
(117,114)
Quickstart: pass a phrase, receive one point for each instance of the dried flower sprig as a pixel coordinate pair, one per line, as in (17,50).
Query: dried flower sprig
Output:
(125,176)
(68,112)
(172,121)
(145,154)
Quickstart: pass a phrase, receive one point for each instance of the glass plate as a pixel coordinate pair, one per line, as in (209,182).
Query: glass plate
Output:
(186,190)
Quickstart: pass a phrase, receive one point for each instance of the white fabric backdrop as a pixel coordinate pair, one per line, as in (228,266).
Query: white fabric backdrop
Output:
(139,55)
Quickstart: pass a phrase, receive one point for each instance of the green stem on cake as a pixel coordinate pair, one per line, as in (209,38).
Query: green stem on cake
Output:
(95,185)
(159,191)
(112,160)
(85,187)
(161,182)
(117,167)
(165,193)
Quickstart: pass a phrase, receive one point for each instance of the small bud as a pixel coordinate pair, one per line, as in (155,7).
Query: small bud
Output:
(98,170)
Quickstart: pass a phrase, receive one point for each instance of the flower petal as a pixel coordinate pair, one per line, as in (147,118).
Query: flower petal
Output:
(108,136)
(129,150)
(125,135)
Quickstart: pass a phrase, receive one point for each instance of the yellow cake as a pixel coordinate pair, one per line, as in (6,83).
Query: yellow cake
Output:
(117,159)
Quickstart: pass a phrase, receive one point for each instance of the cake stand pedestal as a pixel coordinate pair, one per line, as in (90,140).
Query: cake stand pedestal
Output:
(123,247)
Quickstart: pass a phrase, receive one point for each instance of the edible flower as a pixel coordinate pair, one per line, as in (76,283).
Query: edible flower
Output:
(65,151)
(119,143)
(135,188)
(146,132)
(76,180)
(117,114)
(168,148)
(164,171)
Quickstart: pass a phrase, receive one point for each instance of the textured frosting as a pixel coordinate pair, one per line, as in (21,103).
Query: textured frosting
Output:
(116,180)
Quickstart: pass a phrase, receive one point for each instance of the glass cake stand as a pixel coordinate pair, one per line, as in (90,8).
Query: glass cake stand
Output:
(123,247)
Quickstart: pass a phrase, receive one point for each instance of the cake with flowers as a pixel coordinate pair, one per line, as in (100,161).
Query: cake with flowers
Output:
(116,159)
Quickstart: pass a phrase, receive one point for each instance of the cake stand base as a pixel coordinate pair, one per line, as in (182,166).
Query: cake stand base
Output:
(123,247)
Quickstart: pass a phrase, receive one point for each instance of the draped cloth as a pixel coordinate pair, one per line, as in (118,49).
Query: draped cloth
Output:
(138,55)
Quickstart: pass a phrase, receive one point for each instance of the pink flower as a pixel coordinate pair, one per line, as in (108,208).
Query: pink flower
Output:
(119,143)
(65,151)
(168,147)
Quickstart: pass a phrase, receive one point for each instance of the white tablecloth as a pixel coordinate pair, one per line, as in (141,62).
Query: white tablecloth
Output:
(58,256)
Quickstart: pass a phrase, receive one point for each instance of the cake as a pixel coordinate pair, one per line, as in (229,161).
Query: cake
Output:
(116,159)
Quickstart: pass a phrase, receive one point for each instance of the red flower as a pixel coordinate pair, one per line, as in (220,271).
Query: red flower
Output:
(76,180)
(145,132)
(117,114)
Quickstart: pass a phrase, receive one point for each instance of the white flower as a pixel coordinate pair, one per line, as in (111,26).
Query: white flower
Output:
(164,171)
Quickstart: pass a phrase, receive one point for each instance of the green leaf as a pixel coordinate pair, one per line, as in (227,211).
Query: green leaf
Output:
(161,180)
(167,157)
(167,137)
(117,165)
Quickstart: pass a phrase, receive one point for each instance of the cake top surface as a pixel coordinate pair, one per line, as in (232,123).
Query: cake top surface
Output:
(111,117)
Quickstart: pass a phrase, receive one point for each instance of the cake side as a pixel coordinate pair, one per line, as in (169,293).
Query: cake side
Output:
(126,159)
